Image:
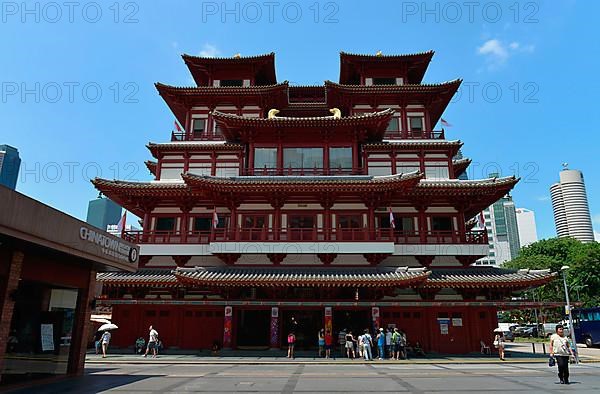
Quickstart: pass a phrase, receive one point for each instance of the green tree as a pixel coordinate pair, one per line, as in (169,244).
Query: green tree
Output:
(583,277)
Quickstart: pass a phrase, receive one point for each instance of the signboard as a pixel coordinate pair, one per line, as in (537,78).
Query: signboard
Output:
(227,327)
(444,328)
(47,336)
(109,244)
(274,327)
(328,319)
(457,322)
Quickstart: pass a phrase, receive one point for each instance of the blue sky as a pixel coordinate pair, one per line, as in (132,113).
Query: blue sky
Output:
(78,98)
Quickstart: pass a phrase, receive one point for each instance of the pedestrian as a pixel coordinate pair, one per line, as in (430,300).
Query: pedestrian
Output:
(361,347)
(98,342)
(396,344)
(105,340)
(388,343)
(321,336)
(499,344)
(328,343)
(152,342)
(342,341)
(381,343)
(367,342)
(403,345)
(291,340)
(560,349)
(350,345)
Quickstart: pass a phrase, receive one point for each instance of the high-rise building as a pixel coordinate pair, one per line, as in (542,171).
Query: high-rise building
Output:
(503,232)
(570,205)
(10,162)
(103,212)
(527,227)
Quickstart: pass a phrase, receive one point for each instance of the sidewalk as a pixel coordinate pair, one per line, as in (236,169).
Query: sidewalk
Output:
(279,357)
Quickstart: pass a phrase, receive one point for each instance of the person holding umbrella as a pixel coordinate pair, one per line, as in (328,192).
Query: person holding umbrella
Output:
(105,338)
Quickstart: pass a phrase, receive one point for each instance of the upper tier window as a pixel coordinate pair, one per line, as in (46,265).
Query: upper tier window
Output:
(165,224)
(232,82)
(340,158)
(303,158)
(416,123)
(199,127)
(384,81)
(265,158)
(394,124)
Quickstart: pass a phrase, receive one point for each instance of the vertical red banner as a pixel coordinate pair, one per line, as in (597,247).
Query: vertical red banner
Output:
(227,327)
(329,319)
(375,315)
(275,328)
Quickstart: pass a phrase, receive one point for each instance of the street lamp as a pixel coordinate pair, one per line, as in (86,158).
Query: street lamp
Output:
(564,269)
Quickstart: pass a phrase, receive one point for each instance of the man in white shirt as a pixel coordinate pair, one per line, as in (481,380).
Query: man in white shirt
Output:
(152,342)
(388,342)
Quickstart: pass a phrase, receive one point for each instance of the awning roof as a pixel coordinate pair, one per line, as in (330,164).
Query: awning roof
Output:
(473,277)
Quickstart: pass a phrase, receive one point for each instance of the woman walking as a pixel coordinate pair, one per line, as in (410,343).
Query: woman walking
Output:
(291,340)
(560,349)
(105,340)
(321,335)
(350,345)
(499,344)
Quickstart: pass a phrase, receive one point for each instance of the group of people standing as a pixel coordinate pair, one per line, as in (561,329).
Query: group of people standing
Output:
(390,344)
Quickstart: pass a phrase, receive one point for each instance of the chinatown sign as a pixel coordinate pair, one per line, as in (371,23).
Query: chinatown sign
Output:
(110,246)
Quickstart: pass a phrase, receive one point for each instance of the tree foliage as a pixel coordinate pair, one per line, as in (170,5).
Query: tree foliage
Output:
(583,276)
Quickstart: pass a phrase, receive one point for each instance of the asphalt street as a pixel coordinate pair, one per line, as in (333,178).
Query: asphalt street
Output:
(313,378)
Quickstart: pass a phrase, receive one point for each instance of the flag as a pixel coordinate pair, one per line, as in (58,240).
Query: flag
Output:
(481,221)
(444,123)
(215,218)
(392,221)
(177,127)
(121,224)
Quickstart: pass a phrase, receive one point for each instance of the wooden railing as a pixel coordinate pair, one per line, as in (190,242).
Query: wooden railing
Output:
(294,171)
(313,234)
(414,135)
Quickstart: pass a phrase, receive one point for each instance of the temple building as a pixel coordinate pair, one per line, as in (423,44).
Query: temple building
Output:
(278,208)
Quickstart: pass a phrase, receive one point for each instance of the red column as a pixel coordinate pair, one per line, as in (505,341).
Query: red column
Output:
(82,326)
(371,221)
(8,304)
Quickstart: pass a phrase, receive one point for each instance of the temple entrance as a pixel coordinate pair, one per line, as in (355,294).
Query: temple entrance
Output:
(353,320)
(253,329)
(305,324)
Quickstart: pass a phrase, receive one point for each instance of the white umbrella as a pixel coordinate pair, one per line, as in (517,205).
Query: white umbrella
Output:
(498,330)
(100,320)
(107,326)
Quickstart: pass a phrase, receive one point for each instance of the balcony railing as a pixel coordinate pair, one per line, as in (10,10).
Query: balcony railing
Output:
(313,234)
(195,136)
(414,135)
(294,171)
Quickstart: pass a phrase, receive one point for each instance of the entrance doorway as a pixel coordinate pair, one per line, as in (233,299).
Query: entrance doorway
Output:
(353,320)
(305,324)
(253,330)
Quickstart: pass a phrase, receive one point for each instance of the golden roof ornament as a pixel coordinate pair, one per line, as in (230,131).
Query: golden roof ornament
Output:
(379,54)
(272,113)
(237,56)
(336,113)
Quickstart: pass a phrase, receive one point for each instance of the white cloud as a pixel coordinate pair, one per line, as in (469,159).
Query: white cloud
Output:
(543,198)
(497,53)
(494,49)
(209,50)
(597,235)
(175,44)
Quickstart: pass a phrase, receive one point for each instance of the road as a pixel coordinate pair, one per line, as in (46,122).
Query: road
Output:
(381,377)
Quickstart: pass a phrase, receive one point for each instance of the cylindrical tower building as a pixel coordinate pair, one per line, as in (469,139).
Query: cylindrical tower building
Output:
(570,206)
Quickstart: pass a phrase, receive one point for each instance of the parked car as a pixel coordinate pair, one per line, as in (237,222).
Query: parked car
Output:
(508,336)
(527,331)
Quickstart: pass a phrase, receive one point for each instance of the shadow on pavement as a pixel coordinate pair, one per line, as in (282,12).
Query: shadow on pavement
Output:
(83,384)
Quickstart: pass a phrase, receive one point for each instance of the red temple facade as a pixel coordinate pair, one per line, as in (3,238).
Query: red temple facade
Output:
(279,207)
